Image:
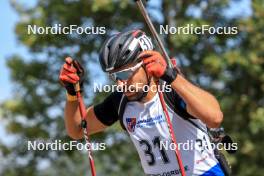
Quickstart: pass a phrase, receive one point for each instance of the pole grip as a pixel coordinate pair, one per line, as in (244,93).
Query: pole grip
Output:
(77,87)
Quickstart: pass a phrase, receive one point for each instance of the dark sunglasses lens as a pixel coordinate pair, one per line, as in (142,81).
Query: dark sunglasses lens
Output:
(123,75)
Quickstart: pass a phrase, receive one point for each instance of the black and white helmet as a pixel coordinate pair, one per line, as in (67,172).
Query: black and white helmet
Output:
(123,48)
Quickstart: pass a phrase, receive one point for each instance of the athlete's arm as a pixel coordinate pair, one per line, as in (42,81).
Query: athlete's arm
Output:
(71,73)
(98,117)
(199,103)
(73,120)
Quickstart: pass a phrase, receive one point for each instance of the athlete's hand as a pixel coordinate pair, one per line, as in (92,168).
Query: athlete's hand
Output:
(71,73)
(154,62)
(157,66)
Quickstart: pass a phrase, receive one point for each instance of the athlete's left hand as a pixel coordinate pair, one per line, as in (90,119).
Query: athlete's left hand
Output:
(157,66)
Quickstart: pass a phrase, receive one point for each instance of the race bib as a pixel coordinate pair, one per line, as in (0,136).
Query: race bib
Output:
(144,42)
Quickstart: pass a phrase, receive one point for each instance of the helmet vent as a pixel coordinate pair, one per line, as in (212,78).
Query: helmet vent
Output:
(127,52)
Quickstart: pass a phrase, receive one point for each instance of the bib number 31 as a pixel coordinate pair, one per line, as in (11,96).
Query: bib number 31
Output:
(148,150)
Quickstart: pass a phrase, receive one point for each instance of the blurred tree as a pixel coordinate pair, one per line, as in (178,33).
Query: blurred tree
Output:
(230,66)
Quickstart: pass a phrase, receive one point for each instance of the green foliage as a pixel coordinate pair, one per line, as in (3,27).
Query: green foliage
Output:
(235,62)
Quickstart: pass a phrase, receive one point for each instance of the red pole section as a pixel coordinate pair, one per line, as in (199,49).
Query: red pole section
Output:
(84,127)
(171,131)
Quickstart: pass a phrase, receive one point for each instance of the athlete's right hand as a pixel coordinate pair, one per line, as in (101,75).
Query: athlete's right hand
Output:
(71,73)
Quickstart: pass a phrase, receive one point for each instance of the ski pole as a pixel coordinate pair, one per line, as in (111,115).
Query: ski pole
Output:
(166,56)
(84,126)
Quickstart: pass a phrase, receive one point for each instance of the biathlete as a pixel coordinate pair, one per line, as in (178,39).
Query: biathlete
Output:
(130,60)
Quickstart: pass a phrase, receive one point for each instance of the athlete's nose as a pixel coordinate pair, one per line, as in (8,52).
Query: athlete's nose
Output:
(121,85)
(121,82)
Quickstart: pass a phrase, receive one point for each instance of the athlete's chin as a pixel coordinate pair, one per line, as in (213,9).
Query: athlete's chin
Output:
(131,95)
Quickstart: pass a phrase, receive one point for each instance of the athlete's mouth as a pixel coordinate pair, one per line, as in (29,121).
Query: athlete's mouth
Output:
(129,94)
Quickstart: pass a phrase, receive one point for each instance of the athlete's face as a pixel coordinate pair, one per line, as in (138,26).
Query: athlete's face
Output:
(133,86)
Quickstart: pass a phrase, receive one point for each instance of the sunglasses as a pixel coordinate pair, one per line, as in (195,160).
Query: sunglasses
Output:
(126,73)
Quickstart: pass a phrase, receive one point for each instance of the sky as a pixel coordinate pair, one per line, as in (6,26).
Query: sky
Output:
(9,44)
(8,19)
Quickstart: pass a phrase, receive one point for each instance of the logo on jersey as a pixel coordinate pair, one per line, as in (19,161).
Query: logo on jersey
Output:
(131,124)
